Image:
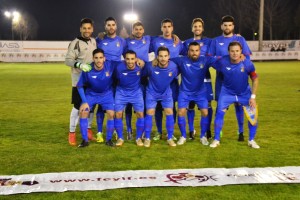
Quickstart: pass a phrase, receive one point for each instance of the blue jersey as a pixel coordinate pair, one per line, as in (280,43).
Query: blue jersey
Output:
(193,73)
(129,81)
(113,47)
(140,47)
(219,45)
(157,42)
(97,82)
(160,78)
(204,46)
(235,76)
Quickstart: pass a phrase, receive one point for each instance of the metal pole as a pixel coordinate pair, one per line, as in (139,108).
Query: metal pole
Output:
(261,25)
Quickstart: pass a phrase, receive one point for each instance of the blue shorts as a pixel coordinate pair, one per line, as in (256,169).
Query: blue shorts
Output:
(137,101)
(151,101)
(225,99)
(175,89)
(106,101)
(209,91)
(218,86)
(199,99)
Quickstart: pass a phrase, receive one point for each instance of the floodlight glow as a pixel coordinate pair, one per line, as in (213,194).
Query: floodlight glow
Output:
(7,14)
(130,17)
(16,17)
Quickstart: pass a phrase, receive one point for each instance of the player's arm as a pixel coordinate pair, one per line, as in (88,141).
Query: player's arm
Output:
(84,106)
(254,78)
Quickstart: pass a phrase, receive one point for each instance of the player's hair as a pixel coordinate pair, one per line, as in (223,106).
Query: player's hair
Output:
(110,19)
(227,18)
(98,51)
(234,43)
(197,20)
(137,24)
(194,44)
(86,21)
(167,20)
(130,52)
(163,48)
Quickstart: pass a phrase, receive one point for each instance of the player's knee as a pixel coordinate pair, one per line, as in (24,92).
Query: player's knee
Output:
(83,114)
(110,114)
(139,114)
(204,112)
(119,115)
(181,112)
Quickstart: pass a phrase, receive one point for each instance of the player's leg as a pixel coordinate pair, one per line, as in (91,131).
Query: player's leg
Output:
(119,126)
(90,120)
(167,104)
(128,117)
(109,127)
(74,116)
(191,118)
(183,102)
(239,112)
(158,121)
(210,97)
(210,114)
(252,133)
(151,103)
(202,104)
(100,118)
(138,105)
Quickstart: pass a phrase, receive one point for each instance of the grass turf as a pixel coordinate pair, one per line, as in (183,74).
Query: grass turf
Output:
(35,103)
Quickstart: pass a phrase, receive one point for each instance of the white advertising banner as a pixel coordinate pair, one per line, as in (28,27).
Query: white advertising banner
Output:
(80,181)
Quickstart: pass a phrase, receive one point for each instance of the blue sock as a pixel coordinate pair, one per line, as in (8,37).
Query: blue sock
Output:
(203,125)
(128,116)
(83,128)
(109,129)
(140,124)
(182,124)
(100,118)
(119,127)
(210,114)
(148,126)
(219,121)
(159,118)
(252,131)
(191,117)
(239,112)
(170,126)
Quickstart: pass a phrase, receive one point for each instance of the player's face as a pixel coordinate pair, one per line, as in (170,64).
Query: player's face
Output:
(194,52)
(227,28)
(167,29)
(86,30)
(235,53)
(111,27)
(197,29)
(98,59)
(130,60)
(138,32)
(163,58)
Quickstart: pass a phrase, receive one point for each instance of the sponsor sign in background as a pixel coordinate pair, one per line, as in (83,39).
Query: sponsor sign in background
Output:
(61,182)
(54,51)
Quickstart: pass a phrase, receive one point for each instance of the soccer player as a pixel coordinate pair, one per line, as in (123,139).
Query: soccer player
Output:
(158,89)
(193,69)
(235,89)
(98,83)
(219,47)
(198,29)
(129,90)
(113,47)
(175,50)
(78,57)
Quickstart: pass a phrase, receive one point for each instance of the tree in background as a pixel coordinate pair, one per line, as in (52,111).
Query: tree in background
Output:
(26,27)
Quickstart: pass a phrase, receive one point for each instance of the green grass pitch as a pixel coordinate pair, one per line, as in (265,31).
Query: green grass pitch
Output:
(35,104)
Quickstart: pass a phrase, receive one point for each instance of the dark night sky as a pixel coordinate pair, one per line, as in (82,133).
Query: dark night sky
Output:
(59,20)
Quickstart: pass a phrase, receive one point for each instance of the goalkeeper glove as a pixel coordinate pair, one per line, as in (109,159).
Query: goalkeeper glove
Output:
(83,67)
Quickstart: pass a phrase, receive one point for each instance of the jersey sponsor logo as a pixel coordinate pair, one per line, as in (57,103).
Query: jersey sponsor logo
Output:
(106,73)
(105,43)
(118,44)
(222,43)
(161,44)
(94,76)
(144,41)
(156,72)
(125,74)
(242,69)
(170,74)
(228,68)
(188,65)
(201,44)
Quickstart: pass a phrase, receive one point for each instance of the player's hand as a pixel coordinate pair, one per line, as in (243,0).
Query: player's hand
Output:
(140,63)
(243,57)
(101,35)
(175,39)
(84,67)
(84,107)
(252,103)
(154,62)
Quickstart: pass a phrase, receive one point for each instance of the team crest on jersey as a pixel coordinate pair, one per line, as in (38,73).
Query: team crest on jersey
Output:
(242,69)
(170,74)
(201,66)
(144,41)
(118,44)
(106,73)
(201,44)
(221,43)
(174,45)
(138,73)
